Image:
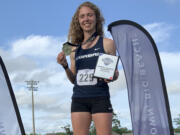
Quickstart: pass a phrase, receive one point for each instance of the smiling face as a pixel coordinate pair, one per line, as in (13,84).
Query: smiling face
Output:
(87,19)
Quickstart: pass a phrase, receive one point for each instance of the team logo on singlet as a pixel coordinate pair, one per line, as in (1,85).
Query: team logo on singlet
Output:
(87,56)
(107,61)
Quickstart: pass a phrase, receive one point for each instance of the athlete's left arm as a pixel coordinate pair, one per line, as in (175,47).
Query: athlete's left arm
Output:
(110,48)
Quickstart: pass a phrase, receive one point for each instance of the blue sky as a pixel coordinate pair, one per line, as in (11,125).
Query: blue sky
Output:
(31,35)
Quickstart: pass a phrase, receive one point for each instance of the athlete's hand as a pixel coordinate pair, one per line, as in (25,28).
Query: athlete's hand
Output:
(116,75)
(61,59)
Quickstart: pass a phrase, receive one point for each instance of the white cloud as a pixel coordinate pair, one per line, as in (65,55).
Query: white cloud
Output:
(37,46)
(171,60)
(159,31)
(20,64)
(173,86)
(119,84)
(3,53)
(171,66)
(27,55)
(23,97)
(33,57)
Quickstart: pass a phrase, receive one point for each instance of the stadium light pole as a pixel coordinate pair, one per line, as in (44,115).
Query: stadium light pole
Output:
(31,87)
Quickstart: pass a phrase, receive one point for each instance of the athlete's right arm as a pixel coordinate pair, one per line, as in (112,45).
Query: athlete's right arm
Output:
(61,59)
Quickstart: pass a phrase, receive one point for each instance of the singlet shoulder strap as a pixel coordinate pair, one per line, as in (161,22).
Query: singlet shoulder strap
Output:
(100,42)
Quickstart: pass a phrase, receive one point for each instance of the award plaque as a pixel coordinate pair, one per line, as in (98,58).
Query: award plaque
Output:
(106,66)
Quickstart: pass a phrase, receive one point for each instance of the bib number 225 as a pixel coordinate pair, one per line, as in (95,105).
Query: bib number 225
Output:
(85,77)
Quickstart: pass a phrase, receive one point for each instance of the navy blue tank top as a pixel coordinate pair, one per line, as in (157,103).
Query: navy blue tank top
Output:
(85,84)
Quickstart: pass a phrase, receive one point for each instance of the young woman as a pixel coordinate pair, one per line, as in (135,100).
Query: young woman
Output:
(91,98)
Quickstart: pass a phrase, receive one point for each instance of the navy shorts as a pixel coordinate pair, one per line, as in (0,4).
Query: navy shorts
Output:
(92,105)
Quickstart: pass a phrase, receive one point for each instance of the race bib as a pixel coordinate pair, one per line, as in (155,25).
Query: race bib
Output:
(85,77)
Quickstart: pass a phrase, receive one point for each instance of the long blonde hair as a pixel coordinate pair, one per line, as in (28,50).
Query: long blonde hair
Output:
(75,35)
